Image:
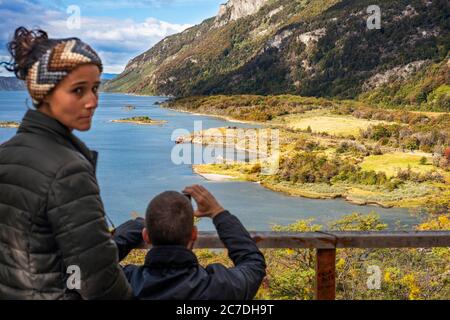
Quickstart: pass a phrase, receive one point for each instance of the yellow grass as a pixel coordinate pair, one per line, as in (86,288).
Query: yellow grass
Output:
(390,163)
(335,125)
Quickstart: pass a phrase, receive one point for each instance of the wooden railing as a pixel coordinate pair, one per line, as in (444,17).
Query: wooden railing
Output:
(326,244)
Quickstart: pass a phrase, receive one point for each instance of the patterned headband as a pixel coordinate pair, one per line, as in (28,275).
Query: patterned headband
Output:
(56,63)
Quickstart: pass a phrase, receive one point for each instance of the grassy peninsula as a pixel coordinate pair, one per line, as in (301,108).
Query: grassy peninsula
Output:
(332,148)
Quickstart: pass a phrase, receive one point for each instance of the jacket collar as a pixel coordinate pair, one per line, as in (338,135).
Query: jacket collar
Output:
(173,257)
(39,123)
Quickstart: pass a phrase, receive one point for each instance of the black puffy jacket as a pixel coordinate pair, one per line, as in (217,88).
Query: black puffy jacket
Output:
(173,272)
(52,217)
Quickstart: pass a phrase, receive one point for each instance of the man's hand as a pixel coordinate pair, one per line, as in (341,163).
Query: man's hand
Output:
(207,205)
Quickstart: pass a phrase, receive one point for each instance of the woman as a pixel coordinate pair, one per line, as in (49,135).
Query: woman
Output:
(54,240)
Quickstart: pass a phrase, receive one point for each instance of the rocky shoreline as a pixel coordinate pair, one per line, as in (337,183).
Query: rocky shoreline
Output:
(309,195)
(296,192)
(212,176)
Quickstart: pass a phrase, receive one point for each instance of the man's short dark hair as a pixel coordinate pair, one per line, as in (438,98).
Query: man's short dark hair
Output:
(169,219)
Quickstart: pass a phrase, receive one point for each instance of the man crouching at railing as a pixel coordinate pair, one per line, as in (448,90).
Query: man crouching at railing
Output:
(171,269)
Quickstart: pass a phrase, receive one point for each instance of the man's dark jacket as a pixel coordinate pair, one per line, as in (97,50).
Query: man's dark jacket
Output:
(173,272)
(52,217)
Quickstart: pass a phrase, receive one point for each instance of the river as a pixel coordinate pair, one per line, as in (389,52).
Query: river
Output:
(135,164)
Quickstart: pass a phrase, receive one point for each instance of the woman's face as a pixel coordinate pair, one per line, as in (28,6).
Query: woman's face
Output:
(75,98)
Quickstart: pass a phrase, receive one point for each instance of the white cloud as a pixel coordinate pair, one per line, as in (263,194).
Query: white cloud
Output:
(135,4)
(128,30)
(116,40)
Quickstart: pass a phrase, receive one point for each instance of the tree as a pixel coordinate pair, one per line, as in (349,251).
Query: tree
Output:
(447,153)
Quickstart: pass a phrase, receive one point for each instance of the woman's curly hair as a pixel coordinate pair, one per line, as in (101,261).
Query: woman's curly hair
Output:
(25,48)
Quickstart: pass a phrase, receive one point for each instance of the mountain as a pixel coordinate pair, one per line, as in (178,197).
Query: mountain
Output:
(311,48)
(14,84)
(11,84)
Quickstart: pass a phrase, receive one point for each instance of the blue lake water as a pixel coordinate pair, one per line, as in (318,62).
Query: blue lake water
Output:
(135,165)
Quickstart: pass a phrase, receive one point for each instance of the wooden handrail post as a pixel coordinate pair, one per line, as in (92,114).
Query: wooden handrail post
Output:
(326,274)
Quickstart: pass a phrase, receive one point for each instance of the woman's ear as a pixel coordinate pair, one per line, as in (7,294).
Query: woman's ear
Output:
(145,236)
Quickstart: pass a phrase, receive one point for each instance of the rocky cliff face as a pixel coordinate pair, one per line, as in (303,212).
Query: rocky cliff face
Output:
(236,9)
(312,48)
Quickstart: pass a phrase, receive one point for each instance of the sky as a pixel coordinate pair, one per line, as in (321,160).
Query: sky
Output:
(118,30)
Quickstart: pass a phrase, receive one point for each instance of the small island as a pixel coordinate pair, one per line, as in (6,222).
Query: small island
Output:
(9,124)
(141,120)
